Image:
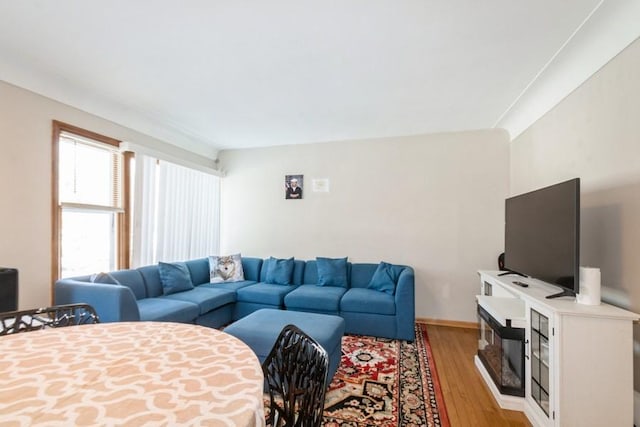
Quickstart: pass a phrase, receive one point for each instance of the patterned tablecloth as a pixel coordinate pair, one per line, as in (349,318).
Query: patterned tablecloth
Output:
(138,373)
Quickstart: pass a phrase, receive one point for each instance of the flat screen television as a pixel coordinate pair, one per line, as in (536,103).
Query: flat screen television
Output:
(542,235)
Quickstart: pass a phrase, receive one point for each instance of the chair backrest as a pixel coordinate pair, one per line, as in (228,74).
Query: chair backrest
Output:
(295,372)
(13,322)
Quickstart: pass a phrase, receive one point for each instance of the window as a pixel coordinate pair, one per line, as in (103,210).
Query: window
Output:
(89,221)
(175,208)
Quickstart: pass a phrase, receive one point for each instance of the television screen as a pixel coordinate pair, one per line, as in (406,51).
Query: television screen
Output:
(542,234)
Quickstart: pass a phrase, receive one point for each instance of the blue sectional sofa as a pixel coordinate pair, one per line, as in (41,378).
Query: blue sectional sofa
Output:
(137,294)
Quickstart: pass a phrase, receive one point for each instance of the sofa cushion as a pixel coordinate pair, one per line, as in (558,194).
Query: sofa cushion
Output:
(312,297)
(167,310)
(207,299)
(332,271)
(359,300)
(385,278)
(361,274)
(175,277)
(225,268)
(310,272)
(151,276)
(264,293)
(251,268)
(131,279)
(280,271)
(233,286)
(199,269)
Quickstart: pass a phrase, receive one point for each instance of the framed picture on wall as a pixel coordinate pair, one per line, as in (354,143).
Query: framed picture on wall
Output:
(293,186)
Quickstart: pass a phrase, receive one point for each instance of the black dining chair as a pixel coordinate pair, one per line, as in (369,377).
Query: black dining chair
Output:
(57,316)
(295,372)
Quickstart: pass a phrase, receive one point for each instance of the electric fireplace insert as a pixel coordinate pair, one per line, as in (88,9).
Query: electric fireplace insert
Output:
(501,351)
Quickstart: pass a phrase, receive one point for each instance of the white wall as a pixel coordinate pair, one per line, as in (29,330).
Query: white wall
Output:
(25,182)
(434,202)
(594,134)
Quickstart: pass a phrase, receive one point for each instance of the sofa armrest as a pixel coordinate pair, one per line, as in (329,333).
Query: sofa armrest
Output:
(405,305)
(113,303)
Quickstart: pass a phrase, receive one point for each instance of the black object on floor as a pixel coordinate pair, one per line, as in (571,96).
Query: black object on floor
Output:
(8,289)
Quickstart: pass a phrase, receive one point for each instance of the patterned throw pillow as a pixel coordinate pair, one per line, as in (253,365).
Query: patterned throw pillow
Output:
(225,268)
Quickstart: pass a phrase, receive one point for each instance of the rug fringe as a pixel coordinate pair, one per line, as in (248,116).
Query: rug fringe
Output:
(421,330)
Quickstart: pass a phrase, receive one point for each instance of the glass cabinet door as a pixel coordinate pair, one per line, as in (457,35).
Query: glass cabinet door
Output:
(540,360)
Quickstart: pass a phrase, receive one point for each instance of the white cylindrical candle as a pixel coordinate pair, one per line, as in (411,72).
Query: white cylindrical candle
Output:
(589,292)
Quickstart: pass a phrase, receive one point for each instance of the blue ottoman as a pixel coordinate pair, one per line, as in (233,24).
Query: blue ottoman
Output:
(260,329)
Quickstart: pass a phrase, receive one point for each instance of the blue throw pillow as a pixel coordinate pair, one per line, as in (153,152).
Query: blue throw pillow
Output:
(332,271)
(279,271)
(175,277)
(385,278)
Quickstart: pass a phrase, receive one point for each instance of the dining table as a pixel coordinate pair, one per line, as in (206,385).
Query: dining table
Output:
(129,374)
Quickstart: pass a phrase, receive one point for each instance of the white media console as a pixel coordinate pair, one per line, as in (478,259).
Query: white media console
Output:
(578,359)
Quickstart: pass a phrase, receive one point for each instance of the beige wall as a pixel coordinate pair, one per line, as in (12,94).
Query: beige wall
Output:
(433,202)
(25,181)
(594,134)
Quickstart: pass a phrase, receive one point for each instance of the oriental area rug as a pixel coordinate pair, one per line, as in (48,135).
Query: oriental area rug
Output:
(384,382)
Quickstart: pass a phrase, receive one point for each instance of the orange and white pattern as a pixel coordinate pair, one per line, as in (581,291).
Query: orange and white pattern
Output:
(137,373)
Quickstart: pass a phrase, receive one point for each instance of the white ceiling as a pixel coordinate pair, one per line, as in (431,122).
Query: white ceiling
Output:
(208,75)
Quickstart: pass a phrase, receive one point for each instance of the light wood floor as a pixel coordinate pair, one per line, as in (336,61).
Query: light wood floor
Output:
(469,402)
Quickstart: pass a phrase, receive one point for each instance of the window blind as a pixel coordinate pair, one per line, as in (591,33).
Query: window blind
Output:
(90,173)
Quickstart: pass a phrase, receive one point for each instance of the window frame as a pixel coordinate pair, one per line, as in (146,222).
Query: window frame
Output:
(123,218)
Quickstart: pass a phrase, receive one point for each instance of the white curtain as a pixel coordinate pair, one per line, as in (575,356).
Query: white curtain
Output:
(144,211)
(187,213)
(185,218)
